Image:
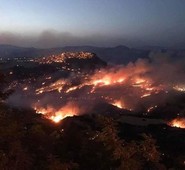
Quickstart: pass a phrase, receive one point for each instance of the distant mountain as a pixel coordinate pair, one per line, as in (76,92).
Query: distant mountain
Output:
(117,55)
(153,48)
(60,66)
(74,60)
(9,51)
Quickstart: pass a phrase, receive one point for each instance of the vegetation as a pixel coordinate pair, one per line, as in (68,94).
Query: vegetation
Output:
(29,141)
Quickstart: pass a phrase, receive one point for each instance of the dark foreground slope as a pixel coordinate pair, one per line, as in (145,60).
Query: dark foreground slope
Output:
(92,141)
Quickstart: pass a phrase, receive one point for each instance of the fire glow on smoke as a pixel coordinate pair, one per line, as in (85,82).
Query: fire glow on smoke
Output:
(97,88)
(99,81)
(122,86)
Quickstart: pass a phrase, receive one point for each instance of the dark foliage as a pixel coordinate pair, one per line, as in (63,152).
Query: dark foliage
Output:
(29,141)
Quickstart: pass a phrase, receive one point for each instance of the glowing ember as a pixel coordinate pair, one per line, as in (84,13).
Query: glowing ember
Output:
(71,89)
(139,81)
(179,123)
(151,108)
(145,95)
(118,104)
(25,88)
(150,88)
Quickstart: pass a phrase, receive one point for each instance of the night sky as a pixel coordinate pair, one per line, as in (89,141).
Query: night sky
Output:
(52,23)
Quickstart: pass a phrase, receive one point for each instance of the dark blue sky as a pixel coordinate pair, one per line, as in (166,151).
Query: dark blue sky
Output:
(47,23)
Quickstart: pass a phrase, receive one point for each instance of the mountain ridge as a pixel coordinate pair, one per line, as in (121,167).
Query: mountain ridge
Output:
(115,54)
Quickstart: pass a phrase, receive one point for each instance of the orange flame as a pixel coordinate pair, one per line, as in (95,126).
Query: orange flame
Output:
(122,77)
(179,123)
(57,115)
(118,104)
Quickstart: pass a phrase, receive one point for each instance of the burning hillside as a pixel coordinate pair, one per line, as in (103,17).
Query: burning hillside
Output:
(140,87)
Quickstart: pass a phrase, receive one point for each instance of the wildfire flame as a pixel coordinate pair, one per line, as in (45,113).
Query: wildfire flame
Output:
(118,104)
(179,123)
(108,84)
(57,115)
(96,82)
(151,108)
(54,86)
(104,78)
(136,82)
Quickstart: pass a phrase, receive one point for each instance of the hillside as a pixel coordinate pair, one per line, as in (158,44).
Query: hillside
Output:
(119,54)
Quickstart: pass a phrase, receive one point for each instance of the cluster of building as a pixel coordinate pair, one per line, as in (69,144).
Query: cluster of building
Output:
(61,58)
